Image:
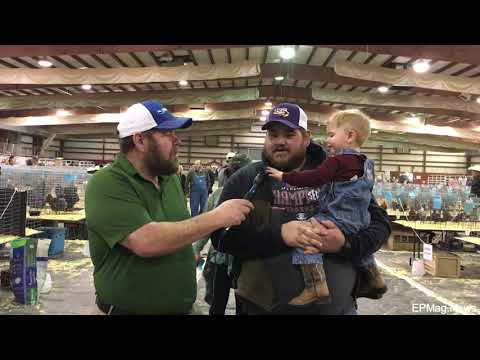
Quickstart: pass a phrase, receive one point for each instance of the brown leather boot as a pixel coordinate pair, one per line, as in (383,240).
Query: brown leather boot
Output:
(320,283)
(307,296)
(370,283)
(316,288)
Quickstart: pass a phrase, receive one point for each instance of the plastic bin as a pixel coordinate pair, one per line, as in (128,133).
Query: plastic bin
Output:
(57,235)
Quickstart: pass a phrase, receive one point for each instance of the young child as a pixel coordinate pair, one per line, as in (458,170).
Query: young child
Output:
(346,180)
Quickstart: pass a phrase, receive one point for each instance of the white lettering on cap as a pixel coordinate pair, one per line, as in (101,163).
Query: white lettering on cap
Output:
(283,112)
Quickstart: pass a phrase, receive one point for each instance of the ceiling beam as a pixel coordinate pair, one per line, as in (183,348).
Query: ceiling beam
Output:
(469,54)
(50,50)
(295,71)
(407,103)
(328,75)
(167,97)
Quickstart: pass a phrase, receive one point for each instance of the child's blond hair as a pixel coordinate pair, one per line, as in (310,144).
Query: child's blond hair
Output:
(355,120)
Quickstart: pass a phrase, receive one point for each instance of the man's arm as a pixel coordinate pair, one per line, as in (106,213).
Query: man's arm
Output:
(129,223)
(162,238)
(249,240)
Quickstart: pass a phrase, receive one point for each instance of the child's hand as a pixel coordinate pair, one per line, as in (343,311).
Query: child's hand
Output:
(274,173)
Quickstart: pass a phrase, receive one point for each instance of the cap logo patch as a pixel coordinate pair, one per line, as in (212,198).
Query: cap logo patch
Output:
(283,112)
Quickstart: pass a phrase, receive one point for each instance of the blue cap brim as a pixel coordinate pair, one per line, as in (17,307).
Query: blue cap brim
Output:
(176,123)
(284,122)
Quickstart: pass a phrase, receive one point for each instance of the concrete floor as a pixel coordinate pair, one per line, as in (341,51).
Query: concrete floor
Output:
(73,292)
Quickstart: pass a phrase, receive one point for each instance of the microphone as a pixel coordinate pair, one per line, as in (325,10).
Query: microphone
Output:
(260,178)
(257,181)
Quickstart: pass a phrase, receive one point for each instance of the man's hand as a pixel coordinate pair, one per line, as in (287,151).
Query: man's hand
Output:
(274,173)
(331,237)
(299,234)
(232,212)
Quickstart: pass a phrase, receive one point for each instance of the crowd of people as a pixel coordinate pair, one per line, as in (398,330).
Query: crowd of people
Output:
(294,233)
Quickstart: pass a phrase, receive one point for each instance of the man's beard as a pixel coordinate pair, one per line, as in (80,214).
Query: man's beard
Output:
(157,164)
(294,162)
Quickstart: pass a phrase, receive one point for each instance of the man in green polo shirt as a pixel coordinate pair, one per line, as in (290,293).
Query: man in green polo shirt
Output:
(139,228)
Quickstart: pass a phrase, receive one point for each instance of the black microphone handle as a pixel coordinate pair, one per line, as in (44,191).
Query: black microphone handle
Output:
(248,196)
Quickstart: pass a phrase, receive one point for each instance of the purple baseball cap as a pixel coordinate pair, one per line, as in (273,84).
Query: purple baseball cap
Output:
(287,114)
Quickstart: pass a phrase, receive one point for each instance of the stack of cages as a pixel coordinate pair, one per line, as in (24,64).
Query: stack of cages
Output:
(430,203)
(13,205)
(49,190)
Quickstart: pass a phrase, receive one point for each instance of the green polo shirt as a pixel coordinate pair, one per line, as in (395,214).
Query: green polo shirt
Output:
(119,201)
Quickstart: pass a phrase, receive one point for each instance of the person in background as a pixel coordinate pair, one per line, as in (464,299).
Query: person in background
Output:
(183,179)
(475,183)
(198,183)
(216,270)
(12,160)
(211,178)
(221,175)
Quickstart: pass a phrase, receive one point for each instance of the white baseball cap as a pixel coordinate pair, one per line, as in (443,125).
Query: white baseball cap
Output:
(230,155)
(149,115)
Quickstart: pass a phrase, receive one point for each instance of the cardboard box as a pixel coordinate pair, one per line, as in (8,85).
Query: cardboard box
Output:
(401,240)
(443,264)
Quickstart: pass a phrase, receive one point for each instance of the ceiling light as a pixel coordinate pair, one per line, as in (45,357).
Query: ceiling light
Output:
(383,89)
(279,78)
(62,112)
(86,87)
(374,131)
(478,99)
(287,53)
(183,82)
(263,118)
(421,66)
(44,63)
(197,107)
(265,112)
(269,104)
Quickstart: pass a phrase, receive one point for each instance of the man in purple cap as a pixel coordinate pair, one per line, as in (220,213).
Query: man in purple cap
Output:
(139,228)
(265,279)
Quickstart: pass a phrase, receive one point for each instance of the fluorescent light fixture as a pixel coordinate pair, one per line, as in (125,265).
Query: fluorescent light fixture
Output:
(265,112)
(86,87)
(383,89)
(183,82)
(374,131)
(197,107)
(421,66)
(44,63)
(62,112)
(287,53)
(478,99)
(279,78)
(263,118)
